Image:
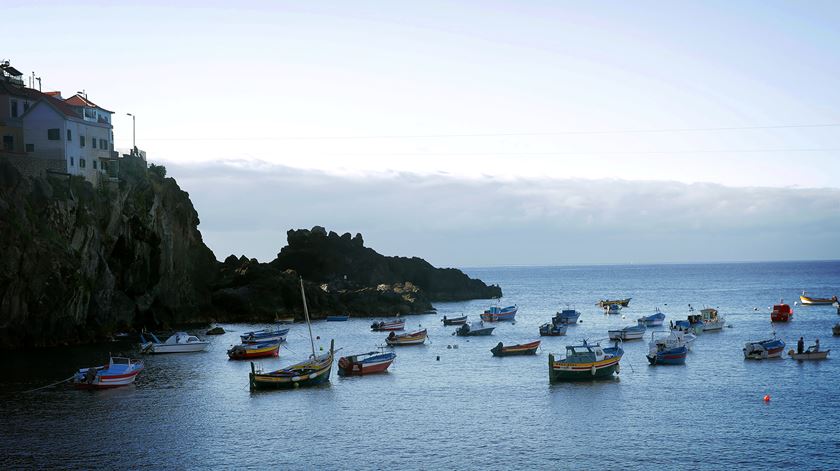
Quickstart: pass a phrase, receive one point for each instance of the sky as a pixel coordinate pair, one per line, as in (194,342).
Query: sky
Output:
(473,133)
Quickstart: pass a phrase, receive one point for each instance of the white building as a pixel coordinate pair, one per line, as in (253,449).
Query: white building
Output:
(75,130)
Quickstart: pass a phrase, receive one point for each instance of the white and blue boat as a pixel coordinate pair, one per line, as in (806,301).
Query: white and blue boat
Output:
(653,320)
(496,313)
(631,332)
(762,349)
(670,349)
(264,335)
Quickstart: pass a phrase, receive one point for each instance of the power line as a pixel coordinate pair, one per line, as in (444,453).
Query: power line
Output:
(628,152)
(501,134)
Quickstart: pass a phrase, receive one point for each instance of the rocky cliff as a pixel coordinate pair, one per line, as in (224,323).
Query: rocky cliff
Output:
(80,262)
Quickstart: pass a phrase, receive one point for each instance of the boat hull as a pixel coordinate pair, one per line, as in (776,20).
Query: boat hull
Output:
(337,318)
(713,326)
(454,320)
(673,356)
(387,326)
(176,348)
(414,338)
(821,355)
(240,353)
(560,371)
(483,331)
(267,381)
(806,300)
(372,365)
(108,376)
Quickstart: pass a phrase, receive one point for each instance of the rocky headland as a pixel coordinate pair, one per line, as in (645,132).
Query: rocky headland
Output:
(80,263)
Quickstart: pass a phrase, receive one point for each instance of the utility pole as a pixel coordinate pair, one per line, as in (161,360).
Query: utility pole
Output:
(133,132)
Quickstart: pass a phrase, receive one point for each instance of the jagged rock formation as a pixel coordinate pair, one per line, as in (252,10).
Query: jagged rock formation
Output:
(80,262)
(329,258)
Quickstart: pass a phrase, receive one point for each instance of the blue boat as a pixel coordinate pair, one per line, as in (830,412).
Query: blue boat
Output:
(264,335)
(668,349)
(653,320)
(338,318)
(552,329)
(495,314)
(566,316)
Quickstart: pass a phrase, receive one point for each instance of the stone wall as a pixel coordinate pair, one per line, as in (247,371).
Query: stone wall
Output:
(32,166)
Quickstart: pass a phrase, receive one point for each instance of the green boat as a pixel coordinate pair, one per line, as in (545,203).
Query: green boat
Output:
(585,362)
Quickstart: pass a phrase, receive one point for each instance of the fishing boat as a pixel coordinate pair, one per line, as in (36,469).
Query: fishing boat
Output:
(469,330)
(496,314)
(521,349)
(553,329)
(566,316)
(365,363)
(711,320)
(781,313)
(670,349)
(338,318)
(585,361)
(809,301)
(692,325)
(454,320)
(179,342)
(604,303)
(653,320)
(763,349)
(247,351)
(631,332)
(612,309)
(118,372)
(312,372)
(384,326)
(264,335)
(813,353)
(410,338)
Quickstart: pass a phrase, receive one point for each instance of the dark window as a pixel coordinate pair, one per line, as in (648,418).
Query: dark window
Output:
(71,161)
(9,143)
(103,144)
(25,106)
(14,109)
(30,147)
(69,135)
(81,141)
(93,143)
(81,163)
(53,134)
(94,165)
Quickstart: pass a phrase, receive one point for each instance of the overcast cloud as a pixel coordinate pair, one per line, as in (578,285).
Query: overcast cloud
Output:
(247,207)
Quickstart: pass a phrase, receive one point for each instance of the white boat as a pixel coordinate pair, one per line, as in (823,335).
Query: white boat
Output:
(631,332)
(179,342)
(711,320)
(813,353)
(674,339)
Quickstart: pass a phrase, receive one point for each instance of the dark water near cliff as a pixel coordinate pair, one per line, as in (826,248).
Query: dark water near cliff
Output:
(468,410)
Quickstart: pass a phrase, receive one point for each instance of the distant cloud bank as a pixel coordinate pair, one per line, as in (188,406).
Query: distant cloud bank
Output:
(246,207)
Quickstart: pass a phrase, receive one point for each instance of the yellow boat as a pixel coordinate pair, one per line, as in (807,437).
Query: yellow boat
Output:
(816,301)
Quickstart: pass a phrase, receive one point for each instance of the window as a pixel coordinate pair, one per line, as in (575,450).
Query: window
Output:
(69,135)
(14,108)
(94,164)
(9,143)
(103,144)
(30,147)
(93,143)
(53,134)
(81,163)
(25,106)
(71,161)
(81,141)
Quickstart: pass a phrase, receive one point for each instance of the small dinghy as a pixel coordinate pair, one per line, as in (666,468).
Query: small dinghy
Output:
(763,349)
(118,372)
(264,335)
(254,350)
(365,363)
(813,353)
(468,330)
(385,326)
(522,349)
(566,316)
(454,320)
(631,332)
(179,342)
(410,338)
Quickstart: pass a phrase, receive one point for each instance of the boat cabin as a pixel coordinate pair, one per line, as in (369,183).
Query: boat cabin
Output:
(181,337)
(584,353)
(781,309)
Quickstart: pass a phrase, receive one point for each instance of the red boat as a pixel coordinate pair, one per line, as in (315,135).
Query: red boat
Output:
(781,313)
(365,363)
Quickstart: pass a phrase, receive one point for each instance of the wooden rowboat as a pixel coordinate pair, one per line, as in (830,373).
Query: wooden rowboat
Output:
(254,350)
(522,349)
(454,320)
(365,363)
(604,303)
(807,300)
(311,372)
(410,338)
(810,354)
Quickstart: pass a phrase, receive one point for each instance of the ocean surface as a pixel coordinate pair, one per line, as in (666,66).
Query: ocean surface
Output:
(461,408)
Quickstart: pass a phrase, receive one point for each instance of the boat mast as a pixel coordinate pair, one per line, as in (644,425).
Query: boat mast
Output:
(306,314)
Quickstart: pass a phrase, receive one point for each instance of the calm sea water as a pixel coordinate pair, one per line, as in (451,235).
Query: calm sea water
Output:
(468,410)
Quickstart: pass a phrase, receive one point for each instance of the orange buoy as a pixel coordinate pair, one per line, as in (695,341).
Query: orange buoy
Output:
(766,398)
